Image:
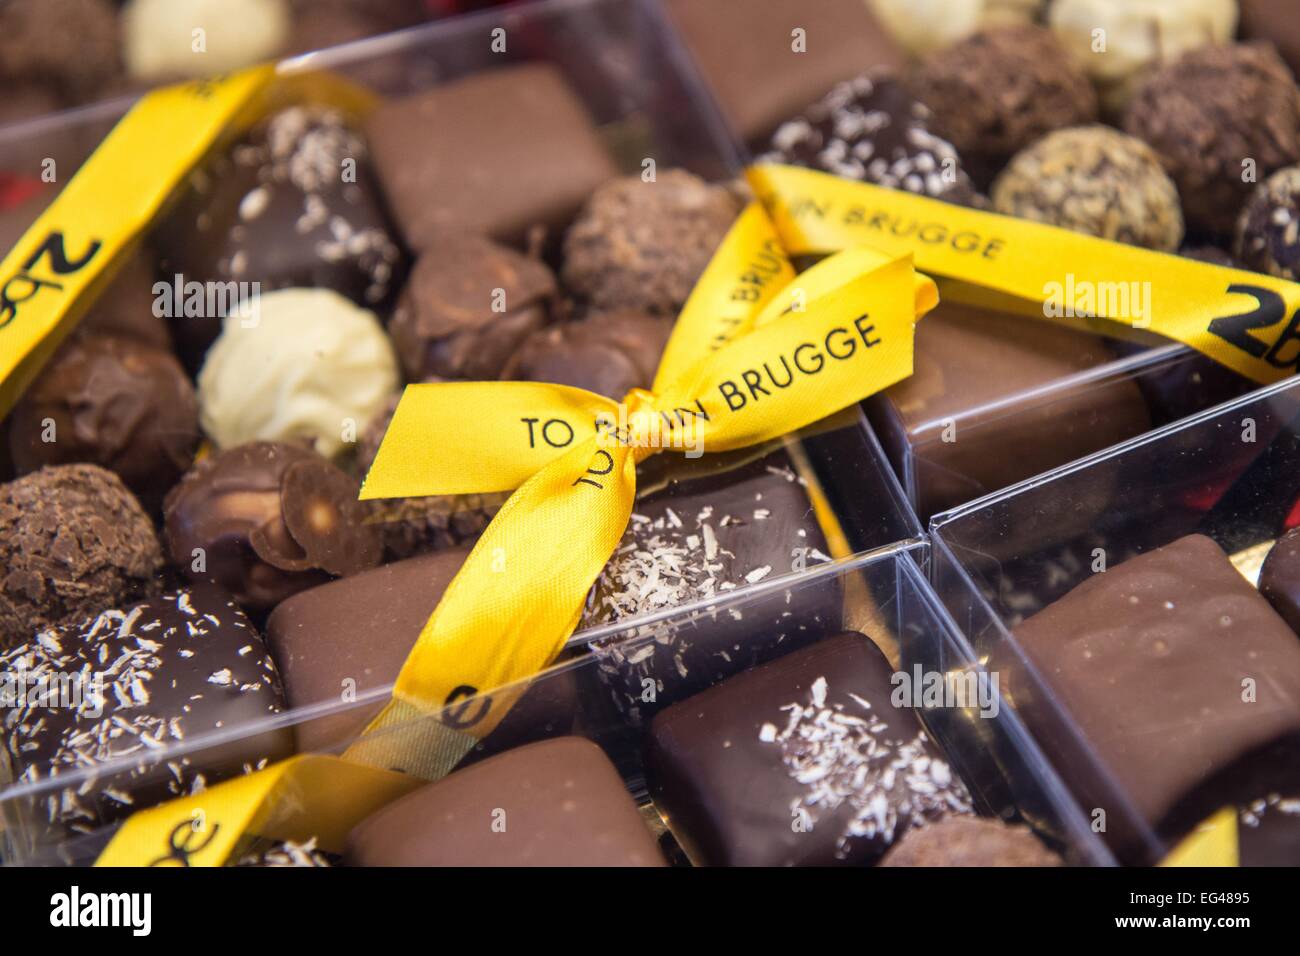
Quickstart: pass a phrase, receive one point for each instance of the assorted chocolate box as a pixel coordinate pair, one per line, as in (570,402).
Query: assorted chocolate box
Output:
(1092,652)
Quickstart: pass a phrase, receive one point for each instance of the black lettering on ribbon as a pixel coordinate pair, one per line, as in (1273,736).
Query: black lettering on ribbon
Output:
(23,286)
(609,466)
(180,844)
(459,717)
(1235,329)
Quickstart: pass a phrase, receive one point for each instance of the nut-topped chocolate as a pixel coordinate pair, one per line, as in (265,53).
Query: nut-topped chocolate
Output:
(73,540)
(1268,230)
(123,405)
(265,520)
(122,685)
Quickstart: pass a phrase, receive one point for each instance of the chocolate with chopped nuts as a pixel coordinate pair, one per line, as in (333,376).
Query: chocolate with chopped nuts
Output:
(265,520)
(802,762)
(699,530)
(123,685)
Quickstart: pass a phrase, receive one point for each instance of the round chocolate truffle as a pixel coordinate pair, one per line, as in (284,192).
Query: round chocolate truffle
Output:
(872,130)
(71,44)
(922,26)
(1094,180)
(1268,231)
(1220,118)
(609,353)
(266,520)
(309,366)
(642,245)
(997,91)
(970,841)
(467,306)
(1136,34)
(414,526)
(112,402)
(73,541)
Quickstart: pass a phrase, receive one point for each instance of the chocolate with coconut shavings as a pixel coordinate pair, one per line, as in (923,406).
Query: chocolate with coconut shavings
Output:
(802,762)
(288,853)
(147,677)
(700,530)
(292,206)
(871,129)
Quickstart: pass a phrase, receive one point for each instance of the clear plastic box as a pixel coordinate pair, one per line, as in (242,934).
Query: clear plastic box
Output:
(883,595)
(1228,474)
(627,68)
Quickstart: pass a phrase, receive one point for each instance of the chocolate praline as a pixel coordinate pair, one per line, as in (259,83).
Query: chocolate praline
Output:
(1212,116)
(608,353)
(642,245)
(266,520)
(73,541)
(466,307)
(112,402)
(1097,181)
(970,841)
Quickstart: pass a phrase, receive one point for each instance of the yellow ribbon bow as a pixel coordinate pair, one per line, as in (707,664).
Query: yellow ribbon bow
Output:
(756,353)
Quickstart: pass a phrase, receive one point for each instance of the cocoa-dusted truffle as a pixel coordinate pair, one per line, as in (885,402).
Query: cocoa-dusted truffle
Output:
(113,402)
(873,130)
(609,353)
(1268,231)
(642,245)
(69,43)
(970,841)
(73,541)
(412,526)
(1094,180)
(1213,115)
(266,520)
(997,91)
(467,306)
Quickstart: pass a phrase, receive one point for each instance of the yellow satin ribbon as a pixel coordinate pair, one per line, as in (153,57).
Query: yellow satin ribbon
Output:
(298,799)
(756,353)
(1246,321)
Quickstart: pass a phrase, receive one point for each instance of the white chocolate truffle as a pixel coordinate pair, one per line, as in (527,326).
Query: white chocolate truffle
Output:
(922,26)
(162,38)
(308,365)
(1112,40)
